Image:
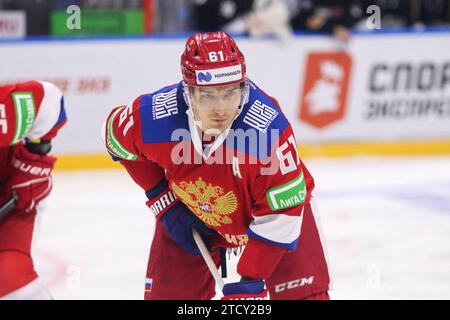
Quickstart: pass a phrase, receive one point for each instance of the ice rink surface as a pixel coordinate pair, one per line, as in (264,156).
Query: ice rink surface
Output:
(386,222)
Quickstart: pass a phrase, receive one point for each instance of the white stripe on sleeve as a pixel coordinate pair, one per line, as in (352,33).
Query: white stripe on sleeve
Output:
(48,113)
(279,228)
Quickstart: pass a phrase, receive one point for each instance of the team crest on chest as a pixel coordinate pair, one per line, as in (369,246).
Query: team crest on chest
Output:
(212,204)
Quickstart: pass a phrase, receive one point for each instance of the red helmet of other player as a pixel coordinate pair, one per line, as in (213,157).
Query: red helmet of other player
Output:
(212,59)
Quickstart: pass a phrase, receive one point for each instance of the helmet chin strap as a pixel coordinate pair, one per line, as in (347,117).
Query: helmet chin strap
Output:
(198,123)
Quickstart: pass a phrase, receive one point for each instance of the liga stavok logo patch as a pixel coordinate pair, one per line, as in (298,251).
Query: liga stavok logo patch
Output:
(287,195)
(218,76)
(25,114)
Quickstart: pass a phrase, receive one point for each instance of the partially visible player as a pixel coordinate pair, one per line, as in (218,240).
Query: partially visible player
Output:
(216,153)
(31,113)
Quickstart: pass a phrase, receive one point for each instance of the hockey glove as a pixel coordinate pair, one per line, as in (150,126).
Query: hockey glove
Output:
(245,290)
(177,219)
(30,178)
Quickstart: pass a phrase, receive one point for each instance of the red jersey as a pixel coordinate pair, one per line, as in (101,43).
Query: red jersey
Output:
(249,184)
(32,110)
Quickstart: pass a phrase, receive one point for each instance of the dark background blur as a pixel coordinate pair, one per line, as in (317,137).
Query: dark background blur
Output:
(256,17)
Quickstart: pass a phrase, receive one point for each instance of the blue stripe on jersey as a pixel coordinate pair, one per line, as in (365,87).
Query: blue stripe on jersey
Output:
(114,157)
(289,246)
(145,110)
(162,113)
(257,113)
(62,114)
(159,120)
(156,191)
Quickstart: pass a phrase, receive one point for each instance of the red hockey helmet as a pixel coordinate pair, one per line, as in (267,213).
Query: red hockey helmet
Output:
(212,59)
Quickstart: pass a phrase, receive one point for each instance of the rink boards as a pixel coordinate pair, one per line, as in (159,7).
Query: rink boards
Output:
(377,89)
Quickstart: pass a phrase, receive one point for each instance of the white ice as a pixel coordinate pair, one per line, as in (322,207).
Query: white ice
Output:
(386,223)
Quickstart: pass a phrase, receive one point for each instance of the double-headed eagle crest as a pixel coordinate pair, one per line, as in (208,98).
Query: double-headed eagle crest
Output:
(210,203)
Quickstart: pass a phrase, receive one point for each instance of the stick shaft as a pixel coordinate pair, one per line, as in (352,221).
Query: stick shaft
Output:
(8,207)
(208,259)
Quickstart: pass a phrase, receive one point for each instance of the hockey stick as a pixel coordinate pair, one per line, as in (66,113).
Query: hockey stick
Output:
(208,259)
(8,206)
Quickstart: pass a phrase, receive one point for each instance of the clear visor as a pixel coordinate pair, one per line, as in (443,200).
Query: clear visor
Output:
(217,97)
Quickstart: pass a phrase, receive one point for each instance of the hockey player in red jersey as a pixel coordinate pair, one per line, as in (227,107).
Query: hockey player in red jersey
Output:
(216,153)
(31,113)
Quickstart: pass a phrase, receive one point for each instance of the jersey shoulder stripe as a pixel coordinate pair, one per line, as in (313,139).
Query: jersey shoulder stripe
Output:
(161,113)
(62,119)
(150,118)
(262,112)
(51,112)
(262,120)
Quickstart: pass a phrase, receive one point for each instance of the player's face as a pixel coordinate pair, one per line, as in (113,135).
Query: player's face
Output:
(216,107)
